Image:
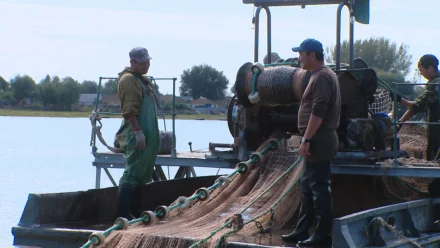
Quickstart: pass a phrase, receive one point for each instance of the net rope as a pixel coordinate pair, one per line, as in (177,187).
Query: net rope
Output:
(265,194)
(382,103)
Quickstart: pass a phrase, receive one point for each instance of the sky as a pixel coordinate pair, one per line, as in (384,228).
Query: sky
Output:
(88,39)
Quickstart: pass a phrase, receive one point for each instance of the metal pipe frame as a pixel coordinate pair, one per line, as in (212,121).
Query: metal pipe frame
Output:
(395,122)
(173,151)
(338,33)
(257,32)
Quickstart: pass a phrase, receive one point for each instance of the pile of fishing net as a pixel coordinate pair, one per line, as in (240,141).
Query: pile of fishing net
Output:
(268,197)
(413,140)
(267,194)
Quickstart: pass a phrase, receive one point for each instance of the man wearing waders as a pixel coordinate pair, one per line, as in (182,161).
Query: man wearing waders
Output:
(427,102)
(138,135)
(318,119)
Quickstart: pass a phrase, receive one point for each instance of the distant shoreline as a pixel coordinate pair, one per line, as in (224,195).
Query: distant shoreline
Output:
(72,114)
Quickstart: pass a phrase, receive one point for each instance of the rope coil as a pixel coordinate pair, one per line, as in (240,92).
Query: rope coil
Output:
(96,130)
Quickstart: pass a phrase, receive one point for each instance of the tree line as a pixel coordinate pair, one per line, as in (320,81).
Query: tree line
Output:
(392,63)
(61,94)
(51,93)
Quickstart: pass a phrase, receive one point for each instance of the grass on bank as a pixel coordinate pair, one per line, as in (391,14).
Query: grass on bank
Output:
(35,113)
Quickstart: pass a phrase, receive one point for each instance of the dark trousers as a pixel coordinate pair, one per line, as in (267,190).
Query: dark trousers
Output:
(433,133)
(316,199)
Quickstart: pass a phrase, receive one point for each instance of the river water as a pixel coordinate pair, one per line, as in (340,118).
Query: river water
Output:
(50,155)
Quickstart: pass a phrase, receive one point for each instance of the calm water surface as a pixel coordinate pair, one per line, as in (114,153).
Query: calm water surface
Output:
(49,155)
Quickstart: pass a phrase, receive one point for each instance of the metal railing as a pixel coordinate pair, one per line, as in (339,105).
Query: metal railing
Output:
(395,109)
(153,79)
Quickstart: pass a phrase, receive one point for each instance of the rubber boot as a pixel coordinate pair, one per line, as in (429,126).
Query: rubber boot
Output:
(304,223)
(323,213)
(125,199)
(136,207)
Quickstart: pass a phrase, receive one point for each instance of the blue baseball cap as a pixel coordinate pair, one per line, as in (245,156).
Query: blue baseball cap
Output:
(310,45)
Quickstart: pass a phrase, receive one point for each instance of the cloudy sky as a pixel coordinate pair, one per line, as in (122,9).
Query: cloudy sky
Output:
(86,39)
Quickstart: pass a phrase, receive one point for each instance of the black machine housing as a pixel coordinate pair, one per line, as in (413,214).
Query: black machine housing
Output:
(360,129)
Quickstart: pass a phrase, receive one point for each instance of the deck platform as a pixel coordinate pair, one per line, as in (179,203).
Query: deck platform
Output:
(349,163)
(184,160)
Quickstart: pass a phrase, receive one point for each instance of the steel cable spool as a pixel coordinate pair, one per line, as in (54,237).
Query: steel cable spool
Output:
(275,85)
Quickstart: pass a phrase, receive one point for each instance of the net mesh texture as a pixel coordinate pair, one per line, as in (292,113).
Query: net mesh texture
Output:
(186,227)
(202,224)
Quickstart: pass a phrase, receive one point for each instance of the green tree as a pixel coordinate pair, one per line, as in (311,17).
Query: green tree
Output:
(111,87)
(69,91)
(6,97)
(89,87)
(23,87)
(4,85)
(203,81)
(50,92)
(378,53)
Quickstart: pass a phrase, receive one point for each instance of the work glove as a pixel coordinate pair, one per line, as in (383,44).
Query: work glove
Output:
(140,140)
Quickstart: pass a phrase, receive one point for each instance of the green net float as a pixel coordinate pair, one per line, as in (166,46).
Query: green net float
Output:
(122,222)
(224,181)
(243,167)
(257,157)
(203,194)
(257,68)
(274,144)
(183,201)
(254,97)
(148,217)
(97,238)
(162,212)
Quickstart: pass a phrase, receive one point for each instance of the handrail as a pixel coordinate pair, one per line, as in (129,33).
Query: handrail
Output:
(257,33)
(395,122)
(338,33)
(173,150)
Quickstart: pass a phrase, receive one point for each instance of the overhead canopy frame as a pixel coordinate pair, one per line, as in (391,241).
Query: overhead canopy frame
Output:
(359,10)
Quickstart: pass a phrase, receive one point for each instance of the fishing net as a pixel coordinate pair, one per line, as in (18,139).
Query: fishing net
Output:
(265,195)
(413,140)
(267,198)
(382,102)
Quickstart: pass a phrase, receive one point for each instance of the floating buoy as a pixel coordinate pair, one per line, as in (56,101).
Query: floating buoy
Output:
(243,166)
(274,144)
(148,218)
(257,157)
(203,194)
(224,181)
(122,222)
(164,210)
(99,238)
(254,97)
(257,68)
(183,201)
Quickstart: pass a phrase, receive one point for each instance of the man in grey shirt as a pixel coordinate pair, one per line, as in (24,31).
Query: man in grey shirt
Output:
(318,119)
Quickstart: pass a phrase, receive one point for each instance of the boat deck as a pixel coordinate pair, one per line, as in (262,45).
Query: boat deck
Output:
(348,163)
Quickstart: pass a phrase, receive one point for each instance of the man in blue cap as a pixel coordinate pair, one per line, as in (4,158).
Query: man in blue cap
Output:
(138,135)
(318,119)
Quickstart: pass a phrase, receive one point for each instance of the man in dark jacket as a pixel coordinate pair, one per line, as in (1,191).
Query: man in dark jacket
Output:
(318,119)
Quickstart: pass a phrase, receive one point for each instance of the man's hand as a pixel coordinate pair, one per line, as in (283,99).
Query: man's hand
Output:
(304,150)
(140,140)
